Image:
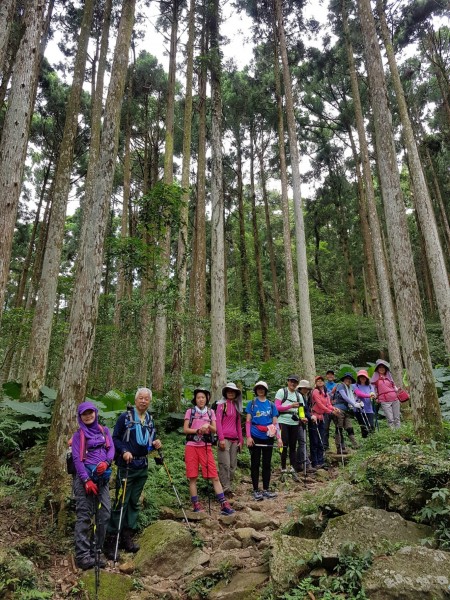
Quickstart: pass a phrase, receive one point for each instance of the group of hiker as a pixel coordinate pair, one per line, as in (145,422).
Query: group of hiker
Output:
(301,413)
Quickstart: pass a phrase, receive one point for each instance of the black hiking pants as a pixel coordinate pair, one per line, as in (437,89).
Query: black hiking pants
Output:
(255,461)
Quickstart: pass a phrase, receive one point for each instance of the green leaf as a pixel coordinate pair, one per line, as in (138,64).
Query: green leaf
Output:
(49,393)
(12,389)
(33,409)
(27,425)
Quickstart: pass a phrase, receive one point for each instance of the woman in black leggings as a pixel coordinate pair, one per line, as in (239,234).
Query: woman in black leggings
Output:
(261,429)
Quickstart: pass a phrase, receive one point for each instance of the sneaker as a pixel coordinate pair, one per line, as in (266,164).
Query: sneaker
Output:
(324,466)
(101,561)
(311,470)
(268,494)
(225,509)
(197,507)
(258,496)
(284,470)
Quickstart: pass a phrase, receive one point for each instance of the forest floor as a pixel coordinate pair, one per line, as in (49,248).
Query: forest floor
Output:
(53,558)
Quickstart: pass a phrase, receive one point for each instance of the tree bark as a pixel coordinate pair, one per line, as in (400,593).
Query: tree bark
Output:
(273,266)
(422,200)
(306,333)
(218,334)
(160,332)
(257,250)
(37,356)
(243,260)
(387,304)
(198,270)
(83,317)
(7,9)
(16,127)
(426,412)
(439,200)
(289,267)
(178,331)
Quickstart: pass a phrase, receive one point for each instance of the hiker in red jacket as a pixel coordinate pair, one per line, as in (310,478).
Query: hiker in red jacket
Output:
(386,393)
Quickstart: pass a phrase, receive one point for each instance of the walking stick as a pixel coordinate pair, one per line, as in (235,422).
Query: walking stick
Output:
(122,494)
(341,443)
(177,496)
(96,546)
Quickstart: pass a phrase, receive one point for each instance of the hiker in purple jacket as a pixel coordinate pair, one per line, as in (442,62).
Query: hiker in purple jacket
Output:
(92,452)
(365,393)
(386,393)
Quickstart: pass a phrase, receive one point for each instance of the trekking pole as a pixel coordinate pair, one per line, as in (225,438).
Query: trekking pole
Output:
(96,546)
(319,436)
(207,477)
(122,494)
(341,443)
(161,456)
(365,420)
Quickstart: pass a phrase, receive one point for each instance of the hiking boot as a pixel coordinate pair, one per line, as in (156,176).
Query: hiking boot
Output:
(258,496)
(86,563)
(354,442)
(109,547)
(197,507)
(225,509)
(101,561)
(128,544)
(268,494)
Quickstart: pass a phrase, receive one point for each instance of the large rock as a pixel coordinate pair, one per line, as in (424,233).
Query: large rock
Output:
(257,520)
(112,585)
(369,529)
(289,560)
(347,498)
(308,526)
(412,573)
(242,586)
(165,547)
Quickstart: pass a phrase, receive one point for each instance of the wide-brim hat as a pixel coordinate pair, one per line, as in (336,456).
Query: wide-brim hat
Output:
(362,373)
(260,384)
(348,374)
(293,378)
(317,377)
(304,383)
(231,386)
(380,361)
(204,391)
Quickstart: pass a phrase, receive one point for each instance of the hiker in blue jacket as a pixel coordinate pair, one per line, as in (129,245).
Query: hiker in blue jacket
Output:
(134,437)
(92,452)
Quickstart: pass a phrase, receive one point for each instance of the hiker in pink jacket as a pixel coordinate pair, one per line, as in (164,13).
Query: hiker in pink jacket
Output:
(386,393)
(229,432)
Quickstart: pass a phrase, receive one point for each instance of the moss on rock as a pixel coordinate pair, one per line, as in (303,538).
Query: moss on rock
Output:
(112,585)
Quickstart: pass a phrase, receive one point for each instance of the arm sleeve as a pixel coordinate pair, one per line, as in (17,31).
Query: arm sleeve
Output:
(248,425)
(360,393)
(321,402)
(282,407)
(118,433)
(79,465)
(111,450)
(220,434)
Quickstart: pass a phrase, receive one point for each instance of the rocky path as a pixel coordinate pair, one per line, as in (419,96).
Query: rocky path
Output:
(231,554)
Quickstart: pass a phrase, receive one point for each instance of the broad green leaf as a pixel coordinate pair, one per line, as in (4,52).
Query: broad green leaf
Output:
(33,425)
(34,409)
(49,392)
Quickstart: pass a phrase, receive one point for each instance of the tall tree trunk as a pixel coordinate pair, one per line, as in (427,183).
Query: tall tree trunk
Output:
(84,312)
(370,278)
(257,250)
(115,372)
(387,304)
(245,284)
(16,127)
(160,332)
(289,267)
(306,333)
(19,300)
(37,356)
(218,335)
(198,270)
(443,219)
(426,411)
(423,204)
(7,8)
(178,331)
(273,266)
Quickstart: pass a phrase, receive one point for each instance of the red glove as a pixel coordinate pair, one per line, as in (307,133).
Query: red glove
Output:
(101,467)
(91,487)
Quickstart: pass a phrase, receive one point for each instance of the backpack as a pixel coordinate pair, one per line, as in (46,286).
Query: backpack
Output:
(70,465)
(208,438)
